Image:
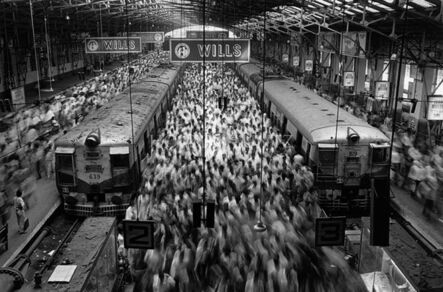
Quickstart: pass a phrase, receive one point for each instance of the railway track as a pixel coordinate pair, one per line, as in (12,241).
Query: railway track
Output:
(425,243)
(31,260)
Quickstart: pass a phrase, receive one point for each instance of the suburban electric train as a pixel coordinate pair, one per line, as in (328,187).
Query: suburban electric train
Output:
(98,165)
(344,152)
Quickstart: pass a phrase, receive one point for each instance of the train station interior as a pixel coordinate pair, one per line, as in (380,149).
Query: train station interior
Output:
(221,145)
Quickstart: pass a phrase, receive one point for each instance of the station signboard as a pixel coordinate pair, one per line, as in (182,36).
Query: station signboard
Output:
(138,234)
(435,108)
(309,64)
(198,34)
(382,90)
(285,58)
(18,97)
(195,50)
(149,36)
(330,231)
(113,45)
(348,80)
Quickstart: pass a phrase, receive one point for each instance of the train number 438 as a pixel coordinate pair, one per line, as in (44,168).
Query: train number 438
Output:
(94,176)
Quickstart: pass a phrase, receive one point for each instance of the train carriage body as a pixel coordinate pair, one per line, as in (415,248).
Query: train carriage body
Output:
(97,164)
(344,152)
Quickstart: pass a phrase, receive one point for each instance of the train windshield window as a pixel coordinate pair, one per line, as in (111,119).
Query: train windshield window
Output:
(120,160)
(65,169)
(65,161)
(327,154)
(380,153)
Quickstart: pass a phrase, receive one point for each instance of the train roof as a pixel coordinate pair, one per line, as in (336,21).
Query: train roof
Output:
(114,118)
(251,68)
(315,116)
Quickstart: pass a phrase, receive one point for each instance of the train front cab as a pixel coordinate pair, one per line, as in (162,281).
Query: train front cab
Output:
(95,181)
(344,174)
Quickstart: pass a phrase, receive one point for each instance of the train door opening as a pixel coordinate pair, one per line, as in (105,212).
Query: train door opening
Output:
(147,143)
(298,141)
(155,130)
(379,160)
(285,133)
(120,166)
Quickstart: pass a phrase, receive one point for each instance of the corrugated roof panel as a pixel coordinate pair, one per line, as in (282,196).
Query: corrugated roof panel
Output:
(423,3)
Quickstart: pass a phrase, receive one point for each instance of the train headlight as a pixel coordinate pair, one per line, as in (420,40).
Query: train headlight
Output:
(353,135)
(93,139)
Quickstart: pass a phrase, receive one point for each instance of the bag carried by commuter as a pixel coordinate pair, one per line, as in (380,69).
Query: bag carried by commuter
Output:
(26,224)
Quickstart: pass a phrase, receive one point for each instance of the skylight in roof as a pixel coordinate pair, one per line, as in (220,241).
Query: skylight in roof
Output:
(357,9)
(372,10)
(382,6)
(323,2)
(349,12)
(422,3)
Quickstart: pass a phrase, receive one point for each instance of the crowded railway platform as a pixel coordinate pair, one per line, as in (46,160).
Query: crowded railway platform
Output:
(228,145)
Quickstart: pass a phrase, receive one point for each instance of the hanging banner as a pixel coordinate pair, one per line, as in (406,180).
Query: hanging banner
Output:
(296,61)
(309,64)
(382,89)
(435,108)
(113,45)
(326,42)
(348,79)
(285,58)
(18,97)
(149,37)
(296,38)
(353,44)
(198,34)
(228,50)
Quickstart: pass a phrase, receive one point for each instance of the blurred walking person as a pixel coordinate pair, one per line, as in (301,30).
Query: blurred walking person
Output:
(19,205)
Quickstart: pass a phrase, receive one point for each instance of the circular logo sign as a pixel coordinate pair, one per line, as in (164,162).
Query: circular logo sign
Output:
(158,37)
(182,50)
(92,45)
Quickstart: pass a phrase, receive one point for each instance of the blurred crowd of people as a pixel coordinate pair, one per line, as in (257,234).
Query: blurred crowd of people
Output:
(247,167)
(26,146)
(418,168)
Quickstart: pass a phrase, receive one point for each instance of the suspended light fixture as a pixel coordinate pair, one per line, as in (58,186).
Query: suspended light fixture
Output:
(48,56)
(35,51)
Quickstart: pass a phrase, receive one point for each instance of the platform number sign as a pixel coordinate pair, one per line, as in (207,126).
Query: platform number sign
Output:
(330,231)
(138,234)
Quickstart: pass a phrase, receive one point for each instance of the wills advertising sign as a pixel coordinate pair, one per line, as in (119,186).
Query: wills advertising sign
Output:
(192,50)
(113,45)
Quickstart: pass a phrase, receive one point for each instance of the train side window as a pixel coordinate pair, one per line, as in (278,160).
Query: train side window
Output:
(64,159)
(379,153)
(327,154)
